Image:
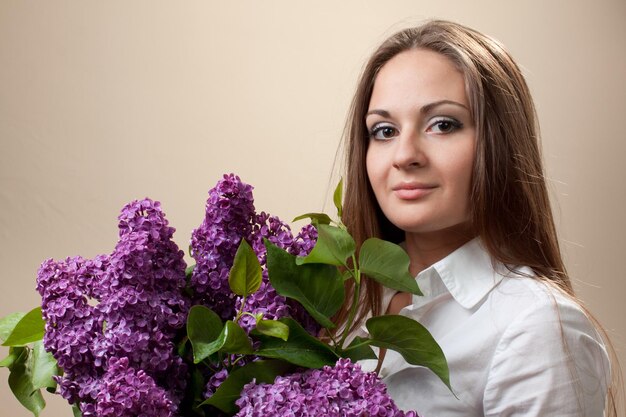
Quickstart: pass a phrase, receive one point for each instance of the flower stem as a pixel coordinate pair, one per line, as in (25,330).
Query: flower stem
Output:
(355,303)
(241,312)
(237,360)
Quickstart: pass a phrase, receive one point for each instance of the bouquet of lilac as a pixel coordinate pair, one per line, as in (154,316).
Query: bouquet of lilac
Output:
(138,333)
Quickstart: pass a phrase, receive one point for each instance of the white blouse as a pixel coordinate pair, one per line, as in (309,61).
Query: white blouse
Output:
(515,346)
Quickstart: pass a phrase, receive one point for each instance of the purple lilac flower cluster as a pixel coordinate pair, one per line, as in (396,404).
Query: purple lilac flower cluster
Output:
(230,216)
(111,321)
(266,300)
(116,317)
(215,381)
(340,391)
(126,392)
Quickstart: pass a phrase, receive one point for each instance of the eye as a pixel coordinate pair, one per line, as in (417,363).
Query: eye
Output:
(383,131)
(444,126)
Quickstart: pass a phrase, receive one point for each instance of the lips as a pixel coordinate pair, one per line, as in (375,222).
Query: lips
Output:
(412,191)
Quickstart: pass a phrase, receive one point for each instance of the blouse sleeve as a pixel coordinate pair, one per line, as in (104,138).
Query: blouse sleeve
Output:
(550,361)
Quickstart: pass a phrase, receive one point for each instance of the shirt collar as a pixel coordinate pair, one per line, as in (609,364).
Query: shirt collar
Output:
(468,273)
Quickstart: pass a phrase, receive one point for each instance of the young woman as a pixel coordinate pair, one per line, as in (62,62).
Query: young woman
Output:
(443,155)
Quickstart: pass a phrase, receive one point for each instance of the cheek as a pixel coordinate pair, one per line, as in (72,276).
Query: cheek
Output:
(463,165)
(461,177)
(454,167)
(463,174)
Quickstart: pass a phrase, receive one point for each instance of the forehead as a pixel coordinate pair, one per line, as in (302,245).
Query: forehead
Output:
(418,76)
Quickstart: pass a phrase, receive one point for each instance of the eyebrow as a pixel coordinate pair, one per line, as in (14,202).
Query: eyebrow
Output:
(425,108)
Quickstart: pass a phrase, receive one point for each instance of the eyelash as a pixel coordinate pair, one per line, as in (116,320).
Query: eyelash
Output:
(378,127)
(454,126)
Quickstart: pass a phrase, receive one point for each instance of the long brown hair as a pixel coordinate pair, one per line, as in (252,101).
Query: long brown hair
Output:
(510,208)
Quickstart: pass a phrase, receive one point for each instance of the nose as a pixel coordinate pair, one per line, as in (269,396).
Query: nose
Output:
(409,152)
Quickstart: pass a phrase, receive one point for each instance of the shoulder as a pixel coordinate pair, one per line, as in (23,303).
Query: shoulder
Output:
(528,302)
(537,313)
(549,349)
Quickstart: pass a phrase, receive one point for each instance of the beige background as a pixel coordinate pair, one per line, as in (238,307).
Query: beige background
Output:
(105,102)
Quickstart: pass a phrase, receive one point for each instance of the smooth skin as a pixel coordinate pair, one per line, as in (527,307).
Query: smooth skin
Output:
(421,152)
(420,155)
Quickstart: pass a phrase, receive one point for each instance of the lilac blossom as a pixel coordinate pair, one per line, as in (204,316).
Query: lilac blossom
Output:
(266,300)
(127,306)
(144,305)
(126,392)
(145,257)
(112,321)
(71,322)
(228,218)
(343,390)
(215,381)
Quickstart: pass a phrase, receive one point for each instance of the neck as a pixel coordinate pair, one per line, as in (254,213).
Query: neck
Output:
(425,249)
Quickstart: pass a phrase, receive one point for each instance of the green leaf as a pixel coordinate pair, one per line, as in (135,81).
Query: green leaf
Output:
(198,385)
(8,323)
(411,340)
(346,275)
(20,382)
(76,411)
(273,328)
(264,371)
(44,367)
(319,288)
(232,339)
(189,271)
(359,349)
(338,197)
(388,264)
(14,354)
(181,347)
(203,327)
(333,247)
(245,275)
(300,348)
(29,329)
(316,218)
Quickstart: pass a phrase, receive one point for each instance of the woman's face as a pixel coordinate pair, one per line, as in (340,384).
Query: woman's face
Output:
(422,140)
